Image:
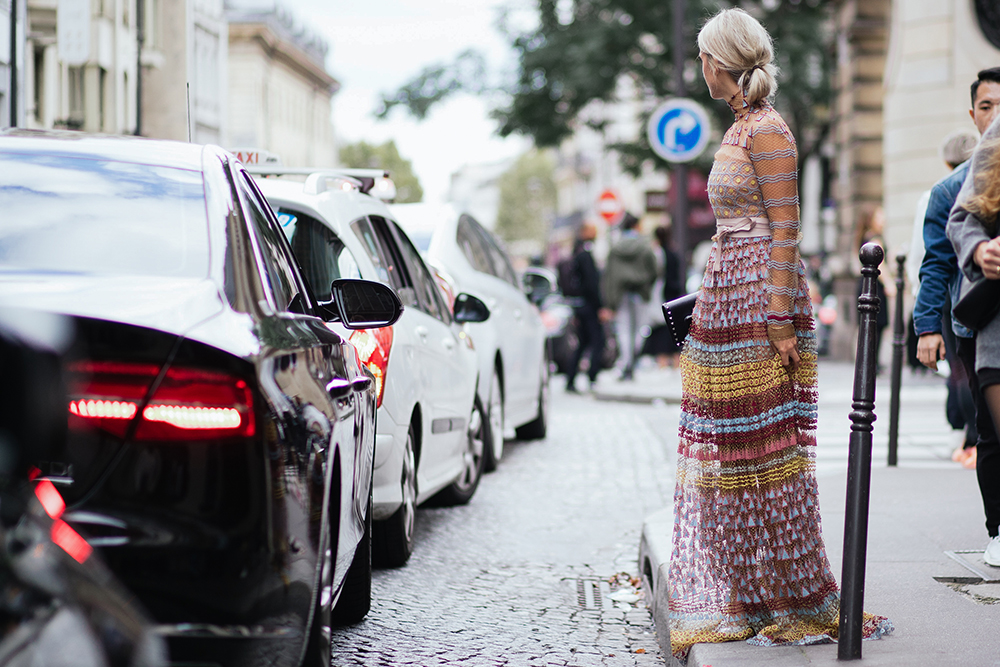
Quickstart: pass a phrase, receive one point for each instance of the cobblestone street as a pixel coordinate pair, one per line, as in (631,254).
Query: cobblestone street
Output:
(520,575)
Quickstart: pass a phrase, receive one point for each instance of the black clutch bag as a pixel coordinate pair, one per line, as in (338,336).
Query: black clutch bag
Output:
(677,314)
(977,304)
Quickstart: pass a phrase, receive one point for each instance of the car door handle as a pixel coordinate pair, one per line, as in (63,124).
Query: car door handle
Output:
(422,332)
(339,387)
(361,383)
(449,344)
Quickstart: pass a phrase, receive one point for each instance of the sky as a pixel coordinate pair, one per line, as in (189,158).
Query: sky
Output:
(376,46)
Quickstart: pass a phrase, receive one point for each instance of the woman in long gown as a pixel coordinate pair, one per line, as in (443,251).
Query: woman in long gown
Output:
(748,559)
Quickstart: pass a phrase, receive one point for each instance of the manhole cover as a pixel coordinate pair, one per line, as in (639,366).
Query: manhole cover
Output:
(972,561)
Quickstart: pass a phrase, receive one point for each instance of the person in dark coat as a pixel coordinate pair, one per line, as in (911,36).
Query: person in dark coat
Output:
(587,307)
(659,342)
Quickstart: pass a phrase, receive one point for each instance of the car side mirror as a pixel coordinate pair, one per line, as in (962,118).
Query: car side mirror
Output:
(361,304)
(468,308)
(536,287)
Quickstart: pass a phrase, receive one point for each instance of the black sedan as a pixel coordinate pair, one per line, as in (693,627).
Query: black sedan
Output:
(221,435)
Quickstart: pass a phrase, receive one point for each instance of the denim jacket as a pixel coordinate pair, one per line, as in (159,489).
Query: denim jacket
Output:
(940,277)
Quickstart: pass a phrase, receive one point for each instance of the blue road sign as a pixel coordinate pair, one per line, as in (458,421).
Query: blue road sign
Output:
(678,130)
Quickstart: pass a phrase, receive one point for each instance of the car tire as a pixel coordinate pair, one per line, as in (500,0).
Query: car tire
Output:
(356,594)
(462,489)
(493,442)
(537,428)
(392,539)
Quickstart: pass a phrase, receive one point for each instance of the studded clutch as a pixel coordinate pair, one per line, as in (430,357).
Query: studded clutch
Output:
(677,314)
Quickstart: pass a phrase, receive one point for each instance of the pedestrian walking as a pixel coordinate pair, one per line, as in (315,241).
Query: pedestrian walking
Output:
(583,287)
(939,337)
(748,559)
(972,229)
(628,280)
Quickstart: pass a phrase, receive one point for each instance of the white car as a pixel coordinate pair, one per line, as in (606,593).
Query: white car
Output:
(431,424)
(511,344)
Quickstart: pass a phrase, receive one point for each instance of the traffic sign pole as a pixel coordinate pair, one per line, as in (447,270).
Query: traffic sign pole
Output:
(680,222)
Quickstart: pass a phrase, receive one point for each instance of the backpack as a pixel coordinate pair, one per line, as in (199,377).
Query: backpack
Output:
(568,277)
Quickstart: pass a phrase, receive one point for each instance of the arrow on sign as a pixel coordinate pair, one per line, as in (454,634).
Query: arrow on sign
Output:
(682,123)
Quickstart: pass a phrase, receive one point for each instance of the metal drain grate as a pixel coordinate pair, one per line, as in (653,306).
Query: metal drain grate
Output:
(593,594)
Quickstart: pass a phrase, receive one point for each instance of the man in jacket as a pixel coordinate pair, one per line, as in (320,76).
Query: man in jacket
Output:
(940,279)
(628,282)
(587,307)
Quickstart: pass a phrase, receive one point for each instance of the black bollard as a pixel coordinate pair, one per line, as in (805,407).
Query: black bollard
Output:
(898,348)
(859,467)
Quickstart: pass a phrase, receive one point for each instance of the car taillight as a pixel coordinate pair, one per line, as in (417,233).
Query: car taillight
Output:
(189,404)
(373,346)
(61,533)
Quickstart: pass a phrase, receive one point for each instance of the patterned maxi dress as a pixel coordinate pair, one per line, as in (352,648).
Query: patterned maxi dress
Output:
(748,556)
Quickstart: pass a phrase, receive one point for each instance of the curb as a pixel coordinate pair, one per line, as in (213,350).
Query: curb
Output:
(643,399)
(654,561)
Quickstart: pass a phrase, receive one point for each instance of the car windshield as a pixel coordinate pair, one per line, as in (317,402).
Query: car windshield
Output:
(72,214)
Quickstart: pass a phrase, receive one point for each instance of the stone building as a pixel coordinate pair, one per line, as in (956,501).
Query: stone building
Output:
(79,65)
(903,75)
(184,70)
(280,93)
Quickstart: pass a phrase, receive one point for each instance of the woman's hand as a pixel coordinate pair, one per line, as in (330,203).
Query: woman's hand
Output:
(987,256)
(786,348)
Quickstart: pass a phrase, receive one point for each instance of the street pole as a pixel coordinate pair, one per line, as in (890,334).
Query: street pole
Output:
(13,63)
(140,39)
(898,347)
(859,467)
(680,222)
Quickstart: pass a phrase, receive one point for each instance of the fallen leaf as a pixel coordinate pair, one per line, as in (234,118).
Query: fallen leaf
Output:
(640,650)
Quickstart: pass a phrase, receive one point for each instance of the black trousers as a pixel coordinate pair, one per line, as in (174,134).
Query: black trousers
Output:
(988,447)
(591,336)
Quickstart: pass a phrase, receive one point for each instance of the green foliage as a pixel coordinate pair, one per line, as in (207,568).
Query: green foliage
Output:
(363,155)
(527,198)
(578,56)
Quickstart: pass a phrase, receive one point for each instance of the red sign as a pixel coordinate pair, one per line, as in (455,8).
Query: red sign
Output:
(609,206)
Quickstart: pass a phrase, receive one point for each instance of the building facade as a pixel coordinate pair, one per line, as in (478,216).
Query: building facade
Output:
(79,67)
(280,93)
(184,59)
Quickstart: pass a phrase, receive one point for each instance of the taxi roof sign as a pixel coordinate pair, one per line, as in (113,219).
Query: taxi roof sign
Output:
(256,156)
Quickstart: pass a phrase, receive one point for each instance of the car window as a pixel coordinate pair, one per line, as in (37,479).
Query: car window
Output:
(501,265)
(321,254)
(81,214)
(472,247)
(428,293)
(278,271)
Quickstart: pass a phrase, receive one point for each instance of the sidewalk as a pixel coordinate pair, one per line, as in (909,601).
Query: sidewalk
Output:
(945,613)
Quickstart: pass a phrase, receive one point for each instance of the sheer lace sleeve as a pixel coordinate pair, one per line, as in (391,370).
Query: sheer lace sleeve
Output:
(773,154)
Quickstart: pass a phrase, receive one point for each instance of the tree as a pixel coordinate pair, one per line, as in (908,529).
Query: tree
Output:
(579,51)
(527,198)
(363,155)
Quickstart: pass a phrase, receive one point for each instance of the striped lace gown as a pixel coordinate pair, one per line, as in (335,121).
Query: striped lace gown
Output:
(748,559)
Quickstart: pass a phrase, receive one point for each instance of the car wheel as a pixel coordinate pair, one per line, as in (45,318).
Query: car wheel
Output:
(538,427)
(392,539)
(462,489)
(356,594)
(493,441)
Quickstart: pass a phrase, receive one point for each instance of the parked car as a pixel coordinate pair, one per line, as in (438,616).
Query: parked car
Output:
(430,421)
(220,436)
(511,345)
(541,286)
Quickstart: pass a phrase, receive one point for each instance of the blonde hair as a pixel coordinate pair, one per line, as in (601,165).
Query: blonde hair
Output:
(984,203)
(743,48)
